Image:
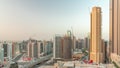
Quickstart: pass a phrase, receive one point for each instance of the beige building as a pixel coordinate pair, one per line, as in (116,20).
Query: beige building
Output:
(115,26)
(115,30)
(95,38)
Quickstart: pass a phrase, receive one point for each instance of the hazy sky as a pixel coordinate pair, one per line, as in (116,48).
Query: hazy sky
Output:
(42,19)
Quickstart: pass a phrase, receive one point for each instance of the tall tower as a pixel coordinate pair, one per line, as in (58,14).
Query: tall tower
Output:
(95,38)
(58,47)
(67,47)
(115,29)
(63,47)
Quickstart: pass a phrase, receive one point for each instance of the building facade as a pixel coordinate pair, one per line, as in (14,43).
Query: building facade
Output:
(57,47)
(115,26)
(115,30)
(35,50)
(86,43)
(1,55)
(63,46)
(95,39)
(15,49)
(67,47)
(30,48)
(80,44)
(5,47)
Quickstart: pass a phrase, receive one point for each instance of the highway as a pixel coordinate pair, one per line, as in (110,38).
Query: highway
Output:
(13,60)
(32,63)
(45,64)
(18,57)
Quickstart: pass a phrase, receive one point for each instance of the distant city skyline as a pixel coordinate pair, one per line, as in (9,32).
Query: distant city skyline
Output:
(20,20)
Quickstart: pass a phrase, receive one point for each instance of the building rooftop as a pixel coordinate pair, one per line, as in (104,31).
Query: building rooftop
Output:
(77,64)
(68,64)
(45,66)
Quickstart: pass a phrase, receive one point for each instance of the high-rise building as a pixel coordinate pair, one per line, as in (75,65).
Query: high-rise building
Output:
(95,38)
(35,49)
(57,48)
(30,49)
(86,43)
(47,47)
(39,48)
(115,30)
(1,55)
(10,50)
(15,49)
(77,45)
(63,46)
(80,44)
(67,47)
(23,46)
(5,47)
(104,51)
(73,42)
(70,34)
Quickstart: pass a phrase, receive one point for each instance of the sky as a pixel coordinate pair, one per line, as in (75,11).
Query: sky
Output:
(42,19)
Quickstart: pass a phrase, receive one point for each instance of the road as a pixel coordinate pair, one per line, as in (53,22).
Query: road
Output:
(46,64)
(13,60)
(18,57)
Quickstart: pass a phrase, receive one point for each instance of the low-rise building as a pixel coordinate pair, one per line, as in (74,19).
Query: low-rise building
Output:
(78,64)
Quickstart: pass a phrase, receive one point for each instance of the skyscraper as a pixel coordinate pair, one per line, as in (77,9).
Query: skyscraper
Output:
(104,51)
(5,47)
(39,48)
(57,47)
(115,29)
(30,48)
(67,47)
(48,47)
(63,47)
(1,55)
(15,49)
(95,39)
(86,43)
(35,49)
(79,44)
